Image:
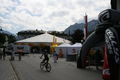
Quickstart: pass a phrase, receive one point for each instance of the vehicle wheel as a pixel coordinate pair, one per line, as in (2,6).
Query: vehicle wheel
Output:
(48,67)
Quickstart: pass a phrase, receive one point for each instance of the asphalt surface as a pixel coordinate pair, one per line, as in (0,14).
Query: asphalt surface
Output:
(6,70)
(29,69)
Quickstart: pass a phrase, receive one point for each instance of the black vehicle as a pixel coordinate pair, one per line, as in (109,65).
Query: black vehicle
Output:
(108,33)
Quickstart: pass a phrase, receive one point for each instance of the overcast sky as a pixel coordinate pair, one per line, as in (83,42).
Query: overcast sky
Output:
(17,15)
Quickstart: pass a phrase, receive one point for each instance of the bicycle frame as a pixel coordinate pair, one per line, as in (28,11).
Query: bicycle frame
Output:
(45,65)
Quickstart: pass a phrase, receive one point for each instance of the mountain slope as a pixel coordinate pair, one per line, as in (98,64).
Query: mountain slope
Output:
(6,32)
(91,26)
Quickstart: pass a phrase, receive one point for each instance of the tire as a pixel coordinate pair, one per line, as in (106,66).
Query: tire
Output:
(48,67)
(112,42)
(41,66)
(113,51)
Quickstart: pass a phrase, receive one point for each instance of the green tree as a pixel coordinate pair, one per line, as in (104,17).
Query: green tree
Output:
(11,39)
(77,36)
(59,34)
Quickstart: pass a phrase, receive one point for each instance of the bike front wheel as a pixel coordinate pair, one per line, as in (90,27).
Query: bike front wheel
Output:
(48,67)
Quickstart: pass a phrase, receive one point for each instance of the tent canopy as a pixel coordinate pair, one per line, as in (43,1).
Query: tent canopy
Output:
(68,49)
(44,38)
(77,45)
(64,45)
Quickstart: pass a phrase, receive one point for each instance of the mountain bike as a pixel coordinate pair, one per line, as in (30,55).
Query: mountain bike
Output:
(45,66)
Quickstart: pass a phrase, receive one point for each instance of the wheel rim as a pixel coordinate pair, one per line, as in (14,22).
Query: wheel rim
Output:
(48,68)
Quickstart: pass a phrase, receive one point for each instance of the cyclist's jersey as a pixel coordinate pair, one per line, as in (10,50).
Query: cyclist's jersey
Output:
(46,56)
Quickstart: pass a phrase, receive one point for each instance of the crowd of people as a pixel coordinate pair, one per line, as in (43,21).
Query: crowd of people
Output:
(3,54)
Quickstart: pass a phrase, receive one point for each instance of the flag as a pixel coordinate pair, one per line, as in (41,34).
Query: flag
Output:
(53,39)
(106,70)
(85,27)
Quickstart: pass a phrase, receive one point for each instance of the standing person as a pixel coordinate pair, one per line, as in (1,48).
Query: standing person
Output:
(55,57)
(60,53)
(1,53)
(12,52)
(20,52)
(20,55)
(46,58)
(4,54)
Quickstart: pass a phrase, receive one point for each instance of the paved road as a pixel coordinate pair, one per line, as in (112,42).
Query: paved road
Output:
(28,69)
(6,71)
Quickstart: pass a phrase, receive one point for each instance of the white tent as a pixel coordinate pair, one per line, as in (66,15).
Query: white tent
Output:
(64,48)
(76,47)
(44,38)
(64,45)
(67,49)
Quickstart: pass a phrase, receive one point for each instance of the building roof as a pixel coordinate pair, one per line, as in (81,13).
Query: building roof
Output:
(43,38)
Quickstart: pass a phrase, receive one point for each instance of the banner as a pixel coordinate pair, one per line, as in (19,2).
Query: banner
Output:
(86,27)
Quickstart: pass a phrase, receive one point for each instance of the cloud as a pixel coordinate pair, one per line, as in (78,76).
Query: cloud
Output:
(16,1)
(59,14)
(29,13)
(17,15)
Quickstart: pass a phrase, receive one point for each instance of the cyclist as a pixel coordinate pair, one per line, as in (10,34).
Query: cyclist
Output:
(46,58)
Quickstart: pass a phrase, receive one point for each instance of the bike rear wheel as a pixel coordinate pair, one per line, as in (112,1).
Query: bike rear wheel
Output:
(41,66)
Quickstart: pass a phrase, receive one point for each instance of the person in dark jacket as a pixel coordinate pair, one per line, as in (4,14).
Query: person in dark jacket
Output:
(4,54)
(46,58)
